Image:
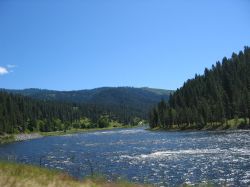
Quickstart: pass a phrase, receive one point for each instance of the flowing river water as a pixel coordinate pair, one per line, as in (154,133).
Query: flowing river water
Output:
(139,155)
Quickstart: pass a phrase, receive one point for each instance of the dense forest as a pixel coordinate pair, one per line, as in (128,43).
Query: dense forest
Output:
(46,110)
(221,94)
(21,114)
(103,96)
(124,102)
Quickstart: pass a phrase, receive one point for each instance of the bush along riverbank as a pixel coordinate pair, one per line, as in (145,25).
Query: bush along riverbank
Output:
(233,124)
(20,175)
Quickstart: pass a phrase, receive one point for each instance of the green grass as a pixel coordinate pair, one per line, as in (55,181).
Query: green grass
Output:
(23,175)
(20,175)
(73,130)
(232,124)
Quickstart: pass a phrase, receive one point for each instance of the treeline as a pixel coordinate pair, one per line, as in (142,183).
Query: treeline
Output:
(21,114)
(221,94)
(124,102)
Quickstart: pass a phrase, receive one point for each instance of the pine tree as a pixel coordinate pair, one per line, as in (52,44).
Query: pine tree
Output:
(220,94)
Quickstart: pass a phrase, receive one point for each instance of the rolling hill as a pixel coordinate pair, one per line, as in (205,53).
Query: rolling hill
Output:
(127,99)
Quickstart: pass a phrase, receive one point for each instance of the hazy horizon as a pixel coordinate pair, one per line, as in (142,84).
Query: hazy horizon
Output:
(90,88)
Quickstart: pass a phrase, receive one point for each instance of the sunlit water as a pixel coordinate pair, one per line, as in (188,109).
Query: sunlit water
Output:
(161,158)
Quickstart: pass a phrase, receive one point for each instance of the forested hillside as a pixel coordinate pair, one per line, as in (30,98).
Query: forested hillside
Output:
(21,114)
(134,97)
(221,94)
(104,95)
(124,102)
(45,110)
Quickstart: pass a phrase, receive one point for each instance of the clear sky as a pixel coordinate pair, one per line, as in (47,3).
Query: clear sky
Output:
(82,44)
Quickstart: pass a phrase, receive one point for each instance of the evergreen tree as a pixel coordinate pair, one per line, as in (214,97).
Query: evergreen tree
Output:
(220,94)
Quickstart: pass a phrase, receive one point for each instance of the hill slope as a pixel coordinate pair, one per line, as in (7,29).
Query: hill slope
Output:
(47,110)
(118,100)
(221,94)
(104,95)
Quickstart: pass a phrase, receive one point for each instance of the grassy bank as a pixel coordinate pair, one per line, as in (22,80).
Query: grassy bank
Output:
(20,175)
(73,131)
(232,124)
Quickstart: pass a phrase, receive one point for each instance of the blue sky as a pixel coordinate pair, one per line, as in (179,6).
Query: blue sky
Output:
(83,44)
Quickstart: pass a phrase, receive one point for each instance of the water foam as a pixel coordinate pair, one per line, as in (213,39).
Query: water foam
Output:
(165,154)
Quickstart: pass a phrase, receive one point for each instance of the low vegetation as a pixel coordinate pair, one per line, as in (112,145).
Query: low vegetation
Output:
(232,124)
(20,175)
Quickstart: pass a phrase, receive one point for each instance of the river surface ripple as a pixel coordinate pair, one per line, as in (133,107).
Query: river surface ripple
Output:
(160,158)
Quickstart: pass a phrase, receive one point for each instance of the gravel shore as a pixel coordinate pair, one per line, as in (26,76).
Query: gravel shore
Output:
(22,137)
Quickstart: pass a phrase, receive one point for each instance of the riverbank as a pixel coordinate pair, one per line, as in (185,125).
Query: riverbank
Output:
(22,137)
(8,138)
(20,175)
(233,124)
(73,131)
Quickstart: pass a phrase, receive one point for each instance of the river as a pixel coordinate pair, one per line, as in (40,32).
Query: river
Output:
(139,155)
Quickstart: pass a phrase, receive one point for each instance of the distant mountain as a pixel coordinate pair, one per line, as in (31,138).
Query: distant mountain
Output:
(158,91)
(136,100)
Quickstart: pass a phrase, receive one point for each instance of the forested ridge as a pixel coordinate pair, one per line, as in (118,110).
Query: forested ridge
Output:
(221,94)
(124,102)
(21,114)
(46,110)
(103,96)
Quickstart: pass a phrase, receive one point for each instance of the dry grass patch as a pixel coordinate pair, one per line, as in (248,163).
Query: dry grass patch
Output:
(20,175)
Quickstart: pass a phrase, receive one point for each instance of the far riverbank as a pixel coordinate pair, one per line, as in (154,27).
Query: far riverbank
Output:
(9,138)
(233,124)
